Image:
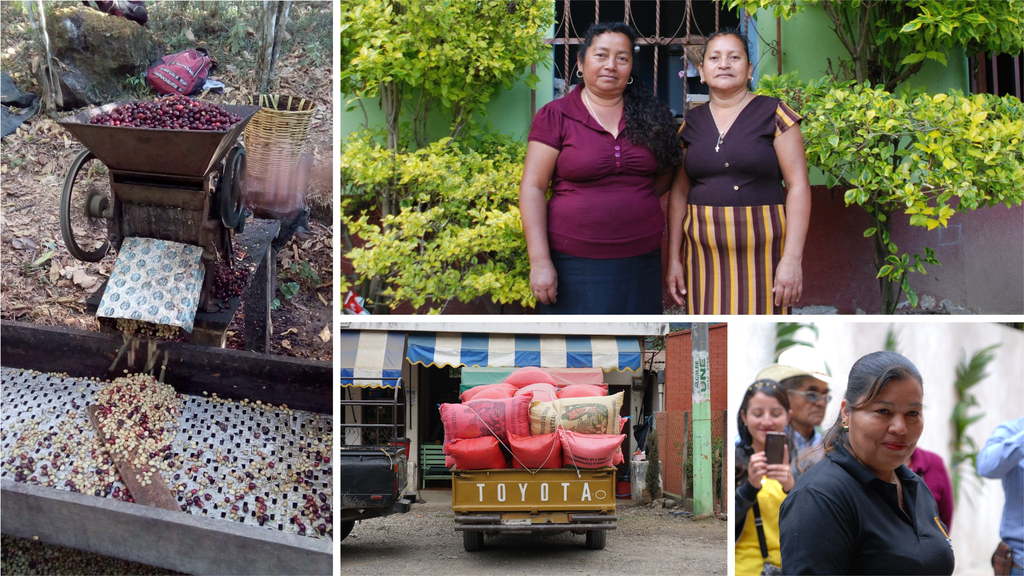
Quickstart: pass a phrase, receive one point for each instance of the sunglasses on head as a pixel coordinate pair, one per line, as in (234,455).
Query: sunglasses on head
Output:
(813,396)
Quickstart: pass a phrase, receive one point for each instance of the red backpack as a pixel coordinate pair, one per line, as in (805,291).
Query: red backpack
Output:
(181,73)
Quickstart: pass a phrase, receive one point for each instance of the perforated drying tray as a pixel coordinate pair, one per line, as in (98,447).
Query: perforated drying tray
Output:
(217,437)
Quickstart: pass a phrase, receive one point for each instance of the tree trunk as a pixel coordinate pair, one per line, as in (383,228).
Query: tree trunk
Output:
(275,19)
(49,83)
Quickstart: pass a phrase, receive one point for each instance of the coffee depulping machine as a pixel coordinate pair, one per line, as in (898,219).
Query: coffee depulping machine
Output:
(184,186)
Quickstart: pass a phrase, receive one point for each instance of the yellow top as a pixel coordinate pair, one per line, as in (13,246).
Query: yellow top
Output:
(748,549)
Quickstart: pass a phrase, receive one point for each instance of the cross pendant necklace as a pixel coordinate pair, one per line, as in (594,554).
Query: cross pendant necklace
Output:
(721,132)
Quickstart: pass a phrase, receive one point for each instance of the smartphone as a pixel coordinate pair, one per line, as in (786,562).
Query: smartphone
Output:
(774,443)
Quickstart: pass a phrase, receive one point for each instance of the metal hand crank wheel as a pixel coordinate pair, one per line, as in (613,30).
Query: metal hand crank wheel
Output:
(232,209)
(84,209)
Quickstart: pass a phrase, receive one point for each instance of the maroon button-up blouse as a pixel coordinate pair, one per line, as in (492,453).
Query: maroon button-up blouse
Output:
(603,203)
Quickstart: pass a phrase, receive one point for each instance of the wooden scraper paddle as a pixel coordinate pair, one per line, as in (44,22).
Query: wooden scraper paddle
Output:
(156,494)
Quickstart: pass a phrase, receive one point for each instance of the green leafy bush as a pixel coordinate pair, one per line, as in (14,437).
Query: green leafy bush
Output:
(927,156)
(457,234)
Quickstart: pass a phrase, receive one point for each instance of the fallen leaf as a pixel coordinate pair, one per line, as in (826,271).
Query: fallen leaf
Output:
(39,261)
(286,344)
(188,34)
(290,331)
(23,242)
(325,334)
(54,272)
(84,280)
(320,296)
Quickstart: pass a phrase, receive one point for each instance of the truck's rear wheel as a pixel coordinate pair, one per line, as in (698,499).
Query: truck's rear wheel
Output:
(473,541)
(346,527)
(596,539)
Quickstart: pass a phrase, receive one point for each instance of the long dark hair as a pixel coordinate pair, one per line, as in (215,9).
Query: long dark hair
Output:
(649,122)
(867,377)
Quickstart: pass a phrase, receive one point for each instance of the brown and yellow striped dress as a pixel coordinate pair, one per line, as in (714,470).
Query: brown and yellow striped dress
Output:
(735,225)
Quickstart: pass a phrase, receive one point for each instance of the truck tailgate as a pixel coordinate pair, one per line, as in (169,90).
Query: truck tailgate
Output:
(547,490)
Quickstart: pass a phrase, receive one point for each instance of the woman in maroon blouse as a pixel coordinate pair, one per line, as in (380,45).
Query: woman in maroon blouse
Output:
(736,236)
(606,150)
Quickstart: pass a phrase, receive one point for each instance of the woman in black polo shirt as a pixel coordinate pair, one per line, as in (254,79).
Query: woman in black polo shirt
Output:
(860,510)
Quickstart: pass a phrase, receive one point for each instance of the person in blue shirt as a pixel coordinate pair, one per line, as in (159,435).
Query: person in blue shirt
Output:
(1003,458)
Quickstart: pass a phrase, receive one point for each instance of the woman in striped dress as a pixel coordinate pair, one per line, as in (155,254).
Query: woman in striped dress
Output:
(736,235)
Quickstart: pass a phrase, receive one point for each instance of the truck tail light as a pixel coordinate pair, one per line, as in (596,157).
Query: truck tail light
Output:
(376,497)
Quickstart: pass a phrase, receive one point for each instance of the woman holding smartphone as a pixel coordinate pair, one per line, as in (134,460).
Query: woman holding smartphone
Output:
(763,477)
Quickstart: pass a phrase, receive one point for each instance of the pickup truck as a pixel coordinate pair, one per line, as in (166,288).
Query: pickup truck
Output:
(548,500)
(374,465)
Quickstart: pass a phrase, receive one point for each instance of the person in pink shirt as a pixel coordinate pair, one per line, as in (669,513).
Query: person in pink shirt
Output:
(930,467)
(606,151)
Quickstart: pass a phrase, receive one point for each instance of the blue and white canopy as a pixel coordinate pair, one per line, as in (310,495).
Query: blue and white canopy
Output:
(547,351)
(371,359)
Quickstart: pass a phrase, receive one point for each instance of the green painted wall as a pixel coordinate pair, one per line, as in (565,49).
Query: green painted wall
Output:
(508,111)
(808,42)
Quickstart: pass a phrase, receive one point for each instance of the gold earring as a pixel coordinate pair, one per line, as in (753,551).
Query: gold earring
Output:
(846,427)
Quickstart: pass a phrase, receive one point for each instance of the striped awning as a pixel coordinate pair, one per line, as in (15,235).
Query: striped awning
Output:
(371,359)
(464,349)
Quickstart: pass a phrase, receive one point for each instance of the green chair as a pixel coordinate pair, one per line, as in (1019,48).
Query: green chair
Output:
(432,464)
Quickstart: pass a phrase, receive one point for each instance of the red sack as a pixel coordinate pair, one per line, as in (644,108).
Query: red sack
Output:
(530,375)
(501,390)
(542,392)
(535,452)
(590,450)
(477,453)
(485,417)
(181,73)
(582,391)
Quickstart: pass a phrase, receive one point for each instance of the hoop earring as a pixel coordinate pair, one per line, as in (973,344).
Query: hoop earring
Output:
(579,73)
(630,80)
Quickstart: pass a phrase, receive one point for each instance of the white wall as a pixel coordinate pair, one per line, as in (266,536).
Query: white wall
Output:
(936,349)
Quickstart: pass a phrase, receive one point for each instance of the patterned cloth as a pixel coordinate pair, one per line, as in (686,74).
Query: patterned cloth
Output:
(730,254)
(155,281)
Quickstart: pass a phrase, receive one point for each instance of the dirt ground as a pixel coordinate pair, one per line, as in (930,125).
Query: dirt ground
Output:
(424,541)
(42,283)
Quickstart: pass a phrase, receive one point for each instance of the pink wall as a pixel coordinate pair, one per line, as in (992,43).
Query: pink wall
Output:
(982,256)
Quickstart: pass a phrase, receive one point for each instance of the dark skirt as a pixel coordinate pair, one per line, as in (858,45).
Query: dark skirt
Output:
(730,254)
(607,285)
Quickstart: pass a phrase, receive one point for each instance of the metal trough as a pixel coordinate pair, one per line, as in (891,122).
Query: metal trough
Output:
(183,153)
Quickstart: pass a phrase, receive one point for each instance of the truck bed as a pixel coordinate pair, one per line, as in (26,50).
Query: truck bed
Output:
(546,490)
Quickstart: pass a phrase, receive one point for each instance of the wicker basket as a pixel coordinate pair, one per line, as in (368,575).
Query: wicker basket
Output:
(276,134)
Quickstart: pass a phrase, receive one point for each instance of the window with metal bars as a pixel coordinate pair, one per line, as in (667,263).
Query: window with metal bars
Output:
(999,74)
(665,29)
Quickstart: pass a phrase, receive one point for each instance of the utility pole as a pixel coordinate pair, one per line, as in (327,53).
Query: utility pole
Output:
(703,498)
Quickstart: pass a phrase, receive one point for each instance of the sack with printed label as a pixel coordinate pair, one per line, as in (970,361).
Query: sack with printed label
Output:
(530,375)
(535,452)
(542,392)
(590,415)
(500,390)
(484,417)
(582,391)
(590,450)
(477,453)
